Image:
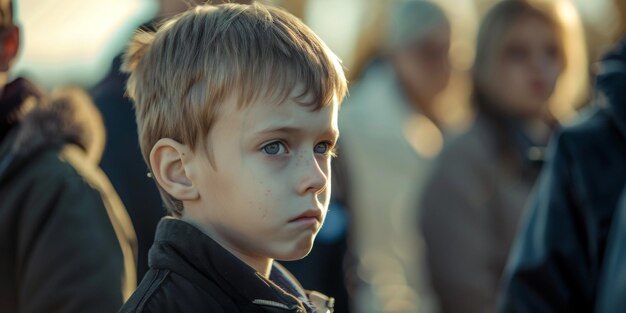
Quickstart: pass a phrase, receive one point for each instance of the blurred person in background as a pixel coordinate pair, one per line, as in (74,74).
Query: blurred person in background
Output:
(122,160)
(67,242)
(612,281)
(569,254)
(475,196)
(388,138)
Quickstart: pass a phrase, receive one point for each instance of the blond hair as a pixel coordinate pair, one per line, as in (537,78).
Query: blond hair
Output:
(572,85)
(6,13)
(183,72)
(492,33)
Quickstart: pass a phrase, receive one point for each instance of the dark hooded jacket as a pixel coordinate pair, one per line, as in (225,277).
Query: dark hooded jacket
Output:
(612,284)
(189,272)
(66,241)
(560,252)
(123,164)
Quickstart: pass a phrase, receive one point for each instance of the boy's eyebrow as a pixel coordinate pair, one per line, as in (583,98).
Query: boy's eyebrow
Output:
(332,132)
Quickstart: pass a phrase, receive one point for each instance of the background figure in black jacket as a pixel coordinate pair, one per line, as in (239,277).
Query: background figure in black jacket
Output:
(560,252)
(66,241)
(610,295)
(123,164)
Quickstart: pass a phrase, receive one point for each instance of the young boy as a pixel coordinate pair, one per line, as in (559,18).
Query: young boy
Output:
(237,118)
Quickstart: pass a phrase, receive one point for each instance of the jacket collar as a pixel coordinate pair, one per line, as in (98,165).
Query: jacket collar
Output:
(506,138)
(183,248)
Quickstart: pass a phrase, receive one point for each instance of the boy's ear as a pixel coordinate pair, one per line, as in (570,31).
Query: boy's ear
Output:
(167,160)
(10,46)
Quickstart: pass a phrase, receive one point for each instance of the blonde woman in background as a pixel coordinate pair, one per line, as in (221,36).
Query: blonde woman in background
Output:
(477,192)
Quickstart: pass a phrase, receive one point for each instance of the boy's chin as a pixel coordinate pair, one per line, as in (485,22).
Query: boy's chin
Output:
(297,251)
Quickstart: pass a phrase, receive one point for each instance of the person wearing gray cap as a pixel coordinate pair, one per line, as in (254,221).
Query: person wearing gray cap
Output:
(384,124)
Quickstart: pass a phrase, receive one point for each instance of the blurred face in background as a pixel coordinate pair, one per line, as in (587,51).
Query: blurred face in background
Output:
(424,66)
(525,67)
(9,46)
(9,40)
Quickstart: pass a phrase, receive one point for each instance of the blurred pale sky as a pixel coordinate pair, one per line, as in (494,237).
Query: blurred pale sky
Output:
(74,41)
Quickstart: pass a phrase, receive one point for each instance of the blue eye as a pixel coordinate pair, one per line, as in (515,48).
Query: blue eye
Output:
(321,148)
(274,148)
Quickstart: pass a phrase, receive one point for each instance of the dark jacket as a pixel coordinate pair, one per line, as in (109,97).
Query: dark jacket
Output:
(66,242)
(189,272)
(122,161)
(612,283)
(559,255)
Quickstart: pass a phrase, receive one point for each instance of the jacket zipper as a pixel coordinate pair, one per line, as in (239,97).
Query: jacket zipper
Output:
(276,305)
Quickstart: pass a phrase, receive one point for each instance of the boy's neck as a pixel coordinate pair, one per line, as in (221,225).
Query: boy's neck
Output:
(263,265)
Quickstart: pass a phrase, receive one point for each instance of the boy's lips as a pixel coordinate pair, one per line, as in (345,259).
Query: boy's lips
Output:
(308,215)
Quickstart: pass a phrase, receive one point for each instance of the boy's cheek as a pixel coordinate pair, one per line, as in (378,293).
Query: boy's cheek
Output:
(261,163)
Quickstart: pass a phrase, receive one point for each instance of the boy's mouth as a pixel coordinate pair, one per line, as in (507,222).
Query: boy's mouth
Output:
(308,215)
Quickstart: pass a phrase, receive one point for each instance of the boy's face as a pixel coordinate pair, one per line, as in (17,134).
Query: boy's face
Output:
(268,194)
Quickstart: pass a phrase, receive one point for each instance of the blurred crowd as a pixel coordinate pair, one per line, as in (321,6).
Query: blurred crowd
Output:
(477,171)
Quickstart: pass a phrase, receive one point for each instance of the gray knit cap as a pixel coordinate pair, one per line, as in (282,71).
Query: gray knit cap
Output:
(411,20)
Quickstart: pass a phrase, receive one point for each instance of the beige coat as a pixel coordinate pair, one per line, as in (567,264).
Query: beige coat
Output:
(385,168)
(469,215)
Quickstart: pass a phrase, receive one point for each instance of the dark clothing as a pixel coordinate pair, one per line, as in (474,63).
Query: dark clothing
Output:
(13,97)
(189,272)
(559,255)
(123,163)
(612,283)
(66,242)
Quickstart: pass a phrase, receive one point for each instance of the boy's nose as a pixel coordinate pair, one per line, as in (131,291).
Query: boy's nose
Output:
(314,178)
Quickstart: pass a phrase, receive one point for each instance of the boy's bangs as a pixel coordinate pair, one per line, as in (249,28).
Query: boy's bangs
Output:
(313,84)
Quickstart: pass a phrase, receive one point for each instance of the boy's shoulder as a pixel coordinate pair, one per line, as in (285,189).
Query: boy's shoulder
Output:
(190,272)
(163,290)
